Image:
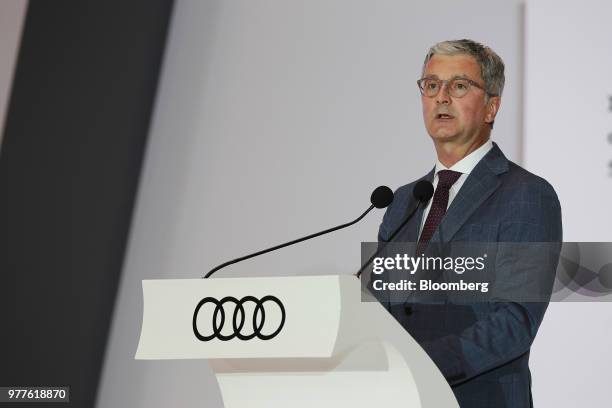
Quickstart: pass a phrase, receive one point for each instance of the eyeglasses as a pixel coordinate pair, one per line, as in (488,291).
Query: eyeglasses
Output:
(456,87)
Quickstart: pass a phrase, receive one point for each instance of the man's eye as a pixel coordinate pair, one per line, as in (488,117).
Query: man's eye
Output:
(431,85)
(461,85)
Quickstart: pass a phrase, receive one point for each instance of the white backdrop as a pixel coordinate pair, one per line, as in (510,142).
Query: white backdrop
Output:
(568,118)
(275,119)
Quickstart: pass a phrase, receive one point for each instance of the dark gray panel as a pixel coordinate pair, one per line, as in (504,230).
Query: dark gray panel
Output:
(73,144)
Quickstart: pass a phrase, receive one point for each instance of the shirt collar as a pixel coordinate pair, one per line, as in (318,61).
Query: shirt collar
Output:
(467,164)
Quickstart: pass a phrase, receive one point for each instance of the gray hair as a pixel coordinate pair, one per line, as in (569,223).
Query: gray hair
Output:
(491,65)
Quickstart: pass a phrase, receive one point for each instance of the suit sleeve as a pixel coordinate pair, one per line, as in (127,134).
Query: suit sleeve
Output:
(509,330)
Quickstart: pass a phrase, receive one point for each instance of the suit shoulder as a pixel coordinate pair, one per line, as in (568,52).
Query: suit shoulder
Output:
(396,211)
(401,198)
(404,191)
(532,208)
(518,177)
(403,194)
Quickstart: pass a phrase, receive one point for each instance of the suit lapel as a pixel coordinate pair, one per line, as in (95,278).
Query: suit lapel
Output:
(479,186)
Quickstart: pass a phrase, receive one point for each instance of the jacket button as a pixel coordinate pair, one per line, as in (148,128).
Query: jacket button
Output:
(408,310)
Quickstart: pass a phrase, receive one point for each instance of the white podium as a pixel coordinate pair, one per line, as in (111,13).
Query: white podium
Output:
(290,342)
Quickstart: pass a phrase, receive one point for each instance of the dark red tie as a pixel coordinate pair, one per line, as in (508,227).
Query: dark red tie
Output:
(446,178)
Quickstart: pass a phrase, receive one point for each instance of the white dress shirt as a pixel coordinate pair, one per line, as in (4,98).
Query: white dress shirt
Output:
(463,166)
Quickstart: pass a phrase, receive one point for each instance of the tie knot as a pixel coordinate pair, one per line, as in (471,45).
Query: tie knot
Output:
(446,178)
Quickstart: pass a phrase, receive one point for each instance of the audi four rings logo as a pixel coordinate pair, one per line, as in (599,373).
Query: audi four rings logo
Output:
(239,318)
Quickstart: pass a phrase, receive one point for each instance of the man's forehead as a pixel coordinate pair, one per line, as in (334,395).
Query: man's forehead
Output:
(448,66)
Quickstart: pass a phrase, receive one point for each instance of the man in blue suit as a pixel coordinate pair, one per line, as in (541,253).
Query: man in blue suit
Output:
(482,349)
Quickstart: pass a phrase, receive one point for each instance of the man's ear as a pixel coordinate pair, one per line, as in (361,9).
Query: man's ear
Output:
(492,108)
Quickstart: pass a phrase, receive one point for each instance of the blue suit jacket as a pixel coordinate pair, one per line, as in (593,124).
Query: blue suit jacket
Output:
(482,349)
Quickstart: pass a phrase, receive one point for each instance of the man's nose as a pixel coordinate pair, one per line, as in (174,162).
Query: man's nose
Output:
(443,96)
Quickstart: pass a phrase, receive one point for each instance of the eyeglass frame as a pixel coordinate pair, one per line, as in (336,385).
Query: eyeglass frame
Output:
(445,82)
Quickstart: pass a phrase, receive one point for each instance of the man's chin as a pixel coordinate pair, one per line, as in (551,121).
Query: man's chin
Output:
(443,136)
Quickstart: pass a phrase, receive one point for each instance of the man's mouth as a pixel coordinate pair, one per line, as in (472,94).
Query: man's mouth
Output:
(444,116)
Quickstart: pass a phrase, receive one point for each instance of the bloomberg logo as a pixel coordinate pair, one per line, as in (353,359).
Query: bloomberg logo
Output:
(248,305)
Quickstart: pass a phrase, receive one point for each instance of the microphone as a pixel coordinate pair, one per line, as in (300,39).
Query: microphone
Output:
(381,197)
(422,192)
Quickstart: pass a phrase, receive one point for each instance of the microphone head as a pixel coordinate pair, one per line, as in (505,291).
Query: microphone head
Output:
(381,197)
(423,190)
